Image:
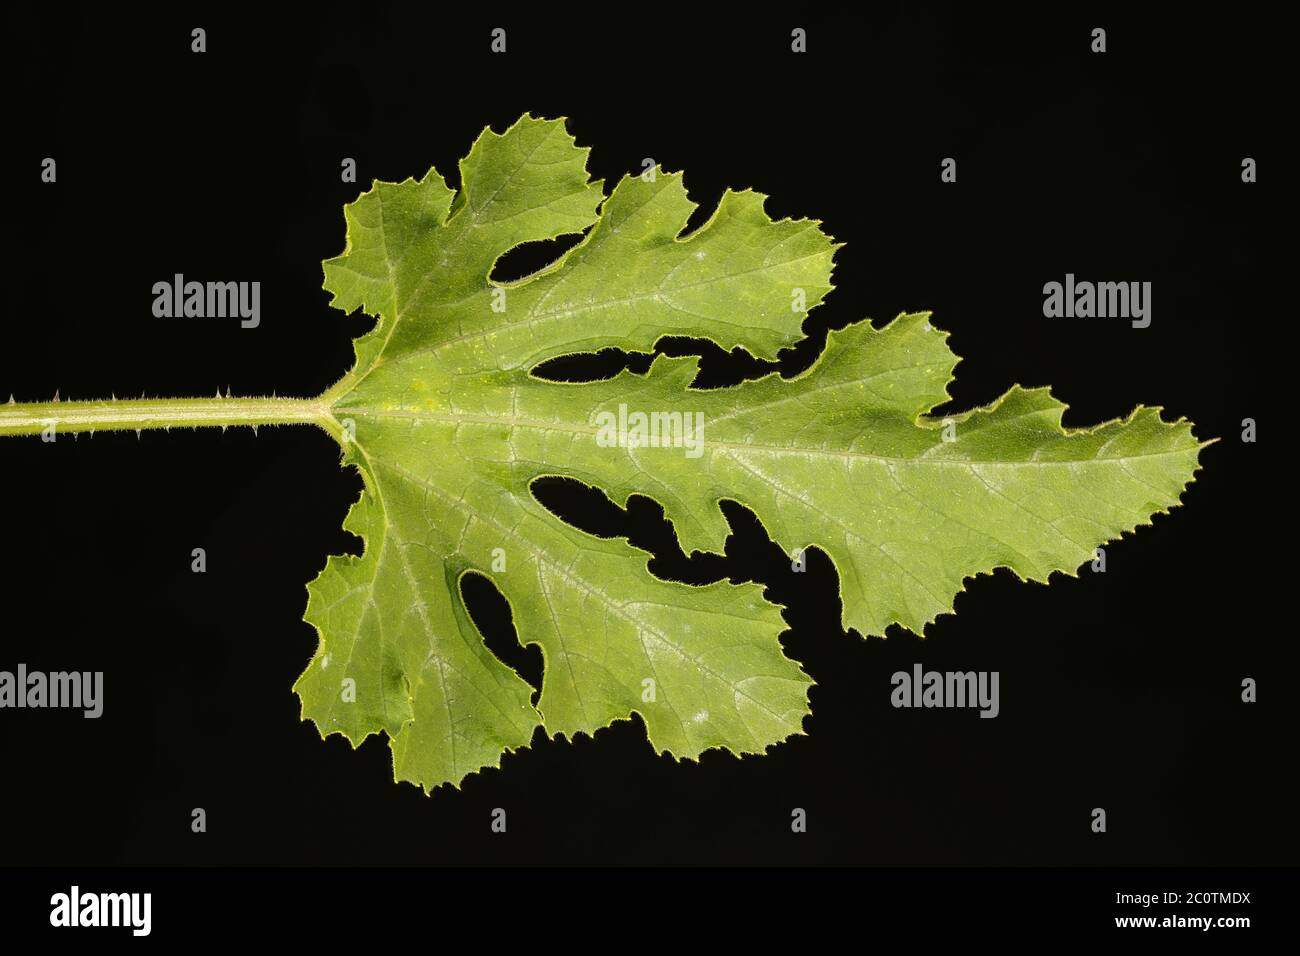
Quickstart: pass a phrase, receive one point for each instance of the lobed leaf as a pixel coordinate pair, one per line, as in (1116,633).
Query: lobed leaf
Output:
(451,428)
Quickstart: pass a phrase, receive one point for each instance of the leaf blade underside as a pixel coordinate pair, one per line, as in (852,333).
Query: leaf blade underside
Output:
(451,429)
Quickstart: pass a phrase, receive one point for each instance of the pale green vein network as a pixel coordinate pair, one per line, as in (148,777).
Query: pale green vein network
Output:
(450,430)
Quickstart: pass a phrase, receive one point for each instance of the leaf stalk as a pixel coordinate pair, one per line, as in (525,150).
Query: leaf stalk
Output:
(39,418)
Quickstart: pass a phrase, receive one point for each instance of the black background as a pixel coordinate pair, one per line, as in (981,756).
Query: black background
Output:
(1119,690)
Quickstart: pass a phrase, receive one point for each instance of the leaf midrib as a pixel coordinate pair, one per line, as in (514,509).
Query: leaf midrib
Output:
(511,421)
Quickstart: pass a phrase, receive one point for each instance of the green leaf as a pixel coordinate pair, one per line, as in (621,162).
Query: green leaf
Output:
(449,429)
